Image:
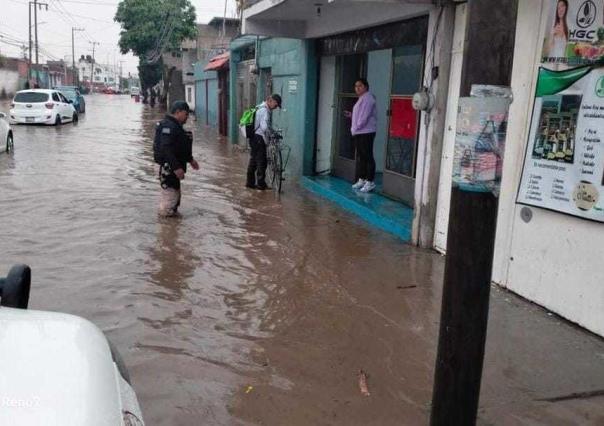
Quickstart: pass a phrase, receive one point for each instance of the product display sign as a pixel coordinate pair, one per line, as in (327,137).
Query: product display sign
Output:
(574,33)
(564,160)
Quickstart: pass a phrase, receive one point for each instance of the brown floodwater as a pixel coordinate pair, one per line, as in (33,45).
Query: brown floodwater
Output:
(252,309)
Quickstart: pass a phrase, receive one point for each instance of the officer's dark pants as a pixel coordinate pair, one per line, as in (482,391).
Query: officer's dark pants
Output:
(256,170)
(170,191)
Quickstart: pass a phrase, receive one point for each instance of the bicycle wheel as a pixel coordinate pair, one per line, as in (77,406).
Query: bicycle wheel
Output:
(278,166)
(270,166)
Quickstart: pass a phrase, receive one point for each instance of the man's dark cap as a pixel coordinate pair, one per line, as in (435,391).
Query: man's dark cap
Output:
(277,99)
(180,106)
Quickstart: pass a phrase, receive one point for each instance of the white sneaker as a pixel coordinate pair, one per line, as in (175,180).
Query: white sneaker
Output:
(360,183)
(368,187)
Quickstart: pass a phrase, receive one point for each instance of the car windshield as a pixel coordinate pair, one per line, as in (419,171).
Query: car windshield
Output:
(69,94)
(31,97)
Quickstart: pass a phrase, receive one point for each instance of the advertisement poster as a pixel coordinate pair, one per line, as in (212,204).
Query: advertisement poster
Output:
(480,143)
(574,33)
(564,161)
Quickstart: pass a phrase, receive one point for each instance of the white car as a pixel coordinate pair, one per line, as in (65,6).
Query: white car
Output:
(6,135)
(41,106)
(135,91)
(58,369)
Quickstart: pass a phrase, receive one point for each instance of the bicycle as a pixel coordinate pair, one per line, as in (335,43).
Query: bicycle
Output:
(275,164)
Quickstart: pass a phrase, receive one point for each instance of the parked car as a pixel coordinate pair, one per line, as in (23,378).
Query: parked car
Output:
(73,94)
(41,106)
(135,91)
(6,135)
(58,369)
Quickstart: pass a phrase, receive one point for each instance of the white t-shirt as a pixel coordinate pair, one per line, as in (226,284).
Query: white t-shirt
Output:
(262,122)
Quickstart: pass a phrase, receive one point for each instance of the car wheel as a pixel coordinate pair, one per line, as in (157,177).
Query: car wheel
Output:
(75,117)
(10,144)
(58,120)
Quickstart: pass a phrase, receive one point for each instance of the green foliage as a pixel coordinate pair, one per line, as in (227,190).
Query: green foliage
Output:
(149,74)
(154,25)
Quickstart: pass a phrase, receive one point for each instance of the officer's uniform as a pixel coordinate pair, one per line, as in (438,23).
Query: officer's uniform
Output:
(172,150)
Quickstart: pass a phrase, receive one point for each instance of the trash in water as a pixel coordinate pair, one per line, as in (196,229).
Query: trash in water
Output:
(363,383)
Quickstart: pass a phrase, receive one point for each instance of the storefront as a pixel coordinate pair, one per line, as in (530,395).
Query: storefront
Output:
(548,246)
(392,59)
(551,205)
(401,49)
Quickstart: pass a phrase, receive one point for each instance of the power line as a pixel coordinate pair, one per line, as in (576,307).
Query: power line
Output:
(93,3)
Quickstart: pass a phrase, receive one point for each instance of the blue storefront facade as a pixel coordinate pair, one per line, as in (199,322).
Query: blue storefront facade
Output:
(288,67)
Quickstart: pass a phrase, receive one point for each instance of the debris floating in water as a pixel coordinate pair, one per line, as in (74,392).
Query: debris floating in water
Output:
(363,383)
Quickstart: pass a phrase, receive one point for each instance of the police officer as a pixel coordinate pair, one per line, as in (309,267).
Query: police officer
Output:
(172,150)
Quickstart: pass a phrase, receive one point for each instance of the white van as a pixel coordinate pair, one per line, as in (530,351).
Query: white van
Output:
(135,91)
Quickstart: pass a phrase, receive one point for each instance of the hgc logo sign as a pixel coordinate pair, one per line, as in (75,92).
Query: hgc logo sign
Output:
(585,27)
(586,14)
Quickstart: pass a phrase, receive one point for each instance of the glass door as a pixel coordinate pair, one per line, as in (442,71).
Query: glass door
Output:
(401,146)
(349,69)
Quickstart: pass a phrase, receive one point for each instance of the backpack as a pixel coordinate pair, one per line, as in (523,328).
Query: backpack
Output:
(247,122)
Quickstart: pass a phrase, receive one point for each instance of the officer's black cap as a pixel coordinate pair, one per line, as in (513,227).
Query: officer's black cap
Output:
(180,106)
(277,99)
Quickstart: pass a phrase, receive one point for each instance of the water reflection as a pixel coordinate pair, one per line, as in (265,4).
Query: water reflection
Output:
(174,259)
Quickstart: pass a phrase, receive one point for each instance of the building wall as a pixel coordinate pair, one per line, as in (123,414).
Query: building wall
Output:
(553,260)
(9,82)
(293,67)
(209,40)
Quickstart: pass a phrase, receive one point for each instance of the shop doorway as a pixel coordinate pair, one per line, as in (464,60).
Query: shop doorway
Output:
(403,127)
(348,69)
(223,101)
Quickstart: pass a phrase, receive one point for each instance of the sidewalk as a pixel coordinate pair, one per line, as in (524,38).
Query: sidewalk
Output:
(341,296)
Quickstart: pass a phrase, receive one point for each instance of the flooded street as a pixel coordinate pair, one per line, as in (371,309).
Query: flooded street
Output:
(251,309)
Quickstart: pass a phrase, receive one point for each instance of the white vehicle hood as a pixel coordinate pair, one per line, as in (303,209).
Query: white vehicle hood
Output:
(55,369)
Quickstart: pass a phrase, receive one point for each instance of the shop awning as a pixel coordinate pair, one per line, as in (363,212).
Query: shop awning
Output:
(218,62)
(308,19)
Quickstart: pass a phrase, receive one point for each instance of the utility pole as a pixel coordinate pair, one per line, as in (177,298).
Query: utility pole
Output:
(121,72)
(488,55)
(73,67)
(29,67)
(36,6)
(94,43)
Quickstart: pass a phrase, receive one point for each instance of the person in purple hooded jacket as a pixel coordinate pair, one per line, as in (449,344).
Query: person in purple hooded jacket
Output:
(364,122)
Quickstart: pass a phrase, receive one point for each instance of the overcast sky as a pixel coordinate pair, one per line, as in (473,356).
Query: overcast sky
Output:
(96,16)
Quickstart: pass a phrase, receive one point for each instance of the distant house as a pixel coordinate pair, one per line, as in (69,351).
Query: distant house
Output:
(13,76)
(96,75)
(211,72)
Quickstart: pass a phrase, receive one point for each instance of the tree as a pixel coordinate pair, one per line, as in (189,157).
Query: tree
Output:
(151,28)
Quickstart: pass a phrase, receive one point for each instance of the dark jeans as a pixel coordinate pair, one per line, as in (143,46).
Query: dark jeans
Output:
(256,170)
(365,167)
